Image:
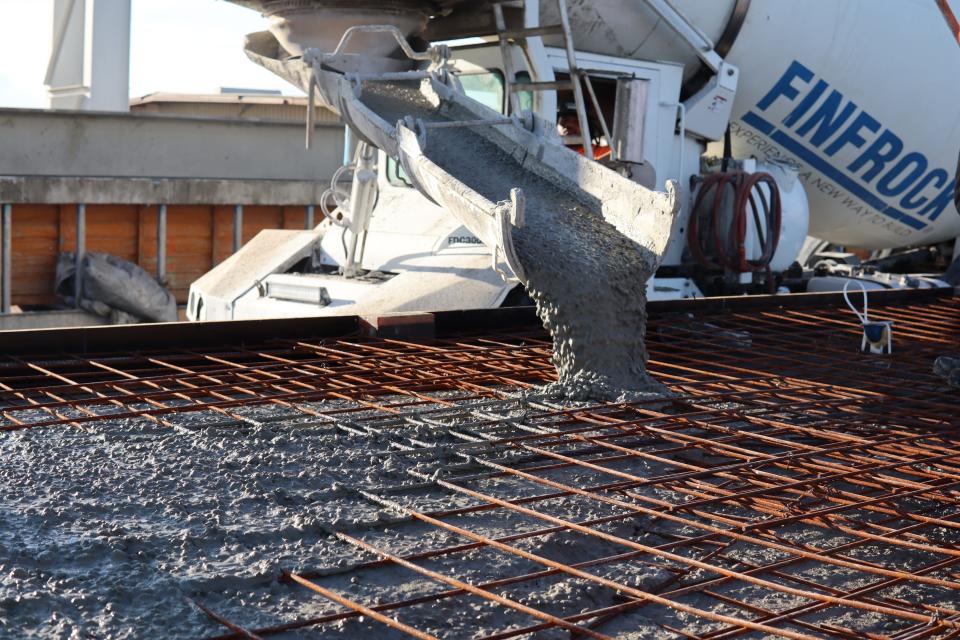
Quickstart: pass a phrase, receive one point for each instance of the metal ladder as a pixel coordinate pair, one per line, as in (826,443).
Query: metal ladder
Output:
(514,86)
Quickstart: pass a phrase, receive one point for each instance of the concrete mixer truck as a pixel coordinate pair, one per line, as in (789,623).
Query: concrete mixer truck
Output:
(802,144)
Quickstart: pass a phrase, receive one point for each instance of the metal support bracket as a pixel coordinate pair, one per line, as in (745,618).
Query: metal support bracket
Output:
(509,214)
(437,54)
(708,111)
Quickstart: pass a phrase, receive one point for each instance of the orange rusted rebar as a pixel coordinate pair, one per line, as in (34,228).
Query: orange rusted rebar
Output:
(788,466)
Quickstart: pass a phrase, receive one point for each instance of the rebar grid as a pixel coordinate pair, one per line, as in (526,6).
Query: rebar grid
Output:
(792,487)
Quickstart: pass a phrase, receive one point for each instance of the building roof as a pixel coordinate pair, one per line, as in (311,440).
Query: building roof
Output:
(219,98)
(242,106)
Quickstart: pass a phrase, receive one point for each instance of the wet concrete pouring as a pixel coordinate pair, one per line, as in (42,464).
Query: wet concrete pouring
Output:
(335,487)
(586,278)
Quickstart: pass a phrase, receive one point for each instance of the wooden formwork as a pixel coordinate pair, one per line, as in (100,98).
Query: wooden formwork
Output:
(198,238)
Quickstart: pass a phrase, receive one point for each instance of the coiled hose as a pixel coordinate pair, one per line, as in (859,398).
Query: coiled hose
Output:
(718,248)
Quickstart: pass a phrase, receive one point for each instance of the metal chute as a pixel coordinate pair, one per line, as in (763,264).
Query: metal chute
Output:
(643,215)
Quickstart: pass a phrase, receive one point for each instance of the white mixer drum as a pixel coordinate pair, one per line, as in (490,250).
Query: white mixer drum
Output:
(631,29)
(860,95)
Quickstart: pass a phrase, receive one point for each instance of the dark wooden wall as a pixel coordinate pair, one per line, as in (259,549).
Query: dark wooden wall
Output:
(198,238)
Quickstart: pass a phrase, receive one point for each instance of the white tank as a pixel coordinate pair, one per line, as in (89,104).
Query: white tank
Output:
(862,95)
(630,29)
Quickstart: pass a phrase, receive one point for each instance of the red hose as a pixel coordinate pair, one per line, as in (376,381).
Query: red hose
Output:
(952,23)
(717,248)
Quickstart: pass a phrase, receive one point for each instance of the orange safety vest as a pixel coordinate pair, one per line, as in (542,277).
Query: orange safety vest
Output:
(599,153)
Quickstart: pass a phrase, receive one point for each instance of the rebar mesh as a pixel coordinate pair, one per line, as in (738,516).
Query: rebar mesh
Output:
(792,486)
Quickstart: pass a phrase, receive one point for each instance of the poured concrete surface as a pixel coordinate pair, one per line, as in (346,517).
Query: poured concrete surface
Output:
(107,534)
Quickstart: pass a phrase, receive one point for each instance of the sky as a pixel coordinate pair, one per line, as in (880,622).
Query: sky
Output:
(184,46)
(168,52)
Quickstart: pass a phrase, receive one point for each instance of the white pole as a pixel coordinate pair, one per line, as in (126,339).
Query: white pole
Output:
(89,65)
(237,227)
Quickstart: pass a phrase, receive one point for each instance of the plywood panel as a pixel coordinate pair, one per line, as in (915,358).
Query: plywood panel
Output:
(189,246)
(255,220)
(34,253)
(222,234)
(295,217)
(113,229)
